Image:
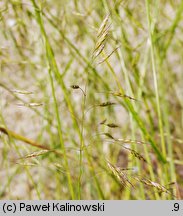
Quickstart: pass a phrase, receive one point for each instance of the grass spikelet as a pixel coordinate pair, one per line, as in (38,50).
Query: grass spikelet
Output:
(99,49)
(109,135)
(26,164)
(30,104)
(35,154)
(103,122)
(112,125)
(136,154)
(118,94)
(120,175)
(22,92)
(131,141)
(103,25)
(78,87)
(58,165)
(159,187)
(102,36)
(105,104)
(75,87)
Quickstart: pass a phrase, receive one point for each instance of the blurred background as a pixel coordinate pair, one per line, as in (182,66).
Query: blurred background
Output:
(97,84)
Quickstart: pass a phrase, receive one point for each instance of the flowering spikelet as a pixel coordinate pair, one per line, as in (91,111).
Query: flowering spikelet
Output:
(120,174)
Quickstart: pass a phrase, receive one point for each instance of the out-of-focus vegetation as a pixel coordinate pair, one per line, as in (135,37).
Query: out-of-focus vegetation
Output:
(91,99)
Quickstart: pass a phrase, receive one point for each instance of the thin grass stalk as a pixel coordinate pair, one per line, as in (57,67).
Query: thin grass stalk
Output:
(172,31)
(155,79)
(81,145)
(136,117)
(26,168)
(53,66)
(132,109)
(101,195)
(140,124)
(61,137)
(132,125)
